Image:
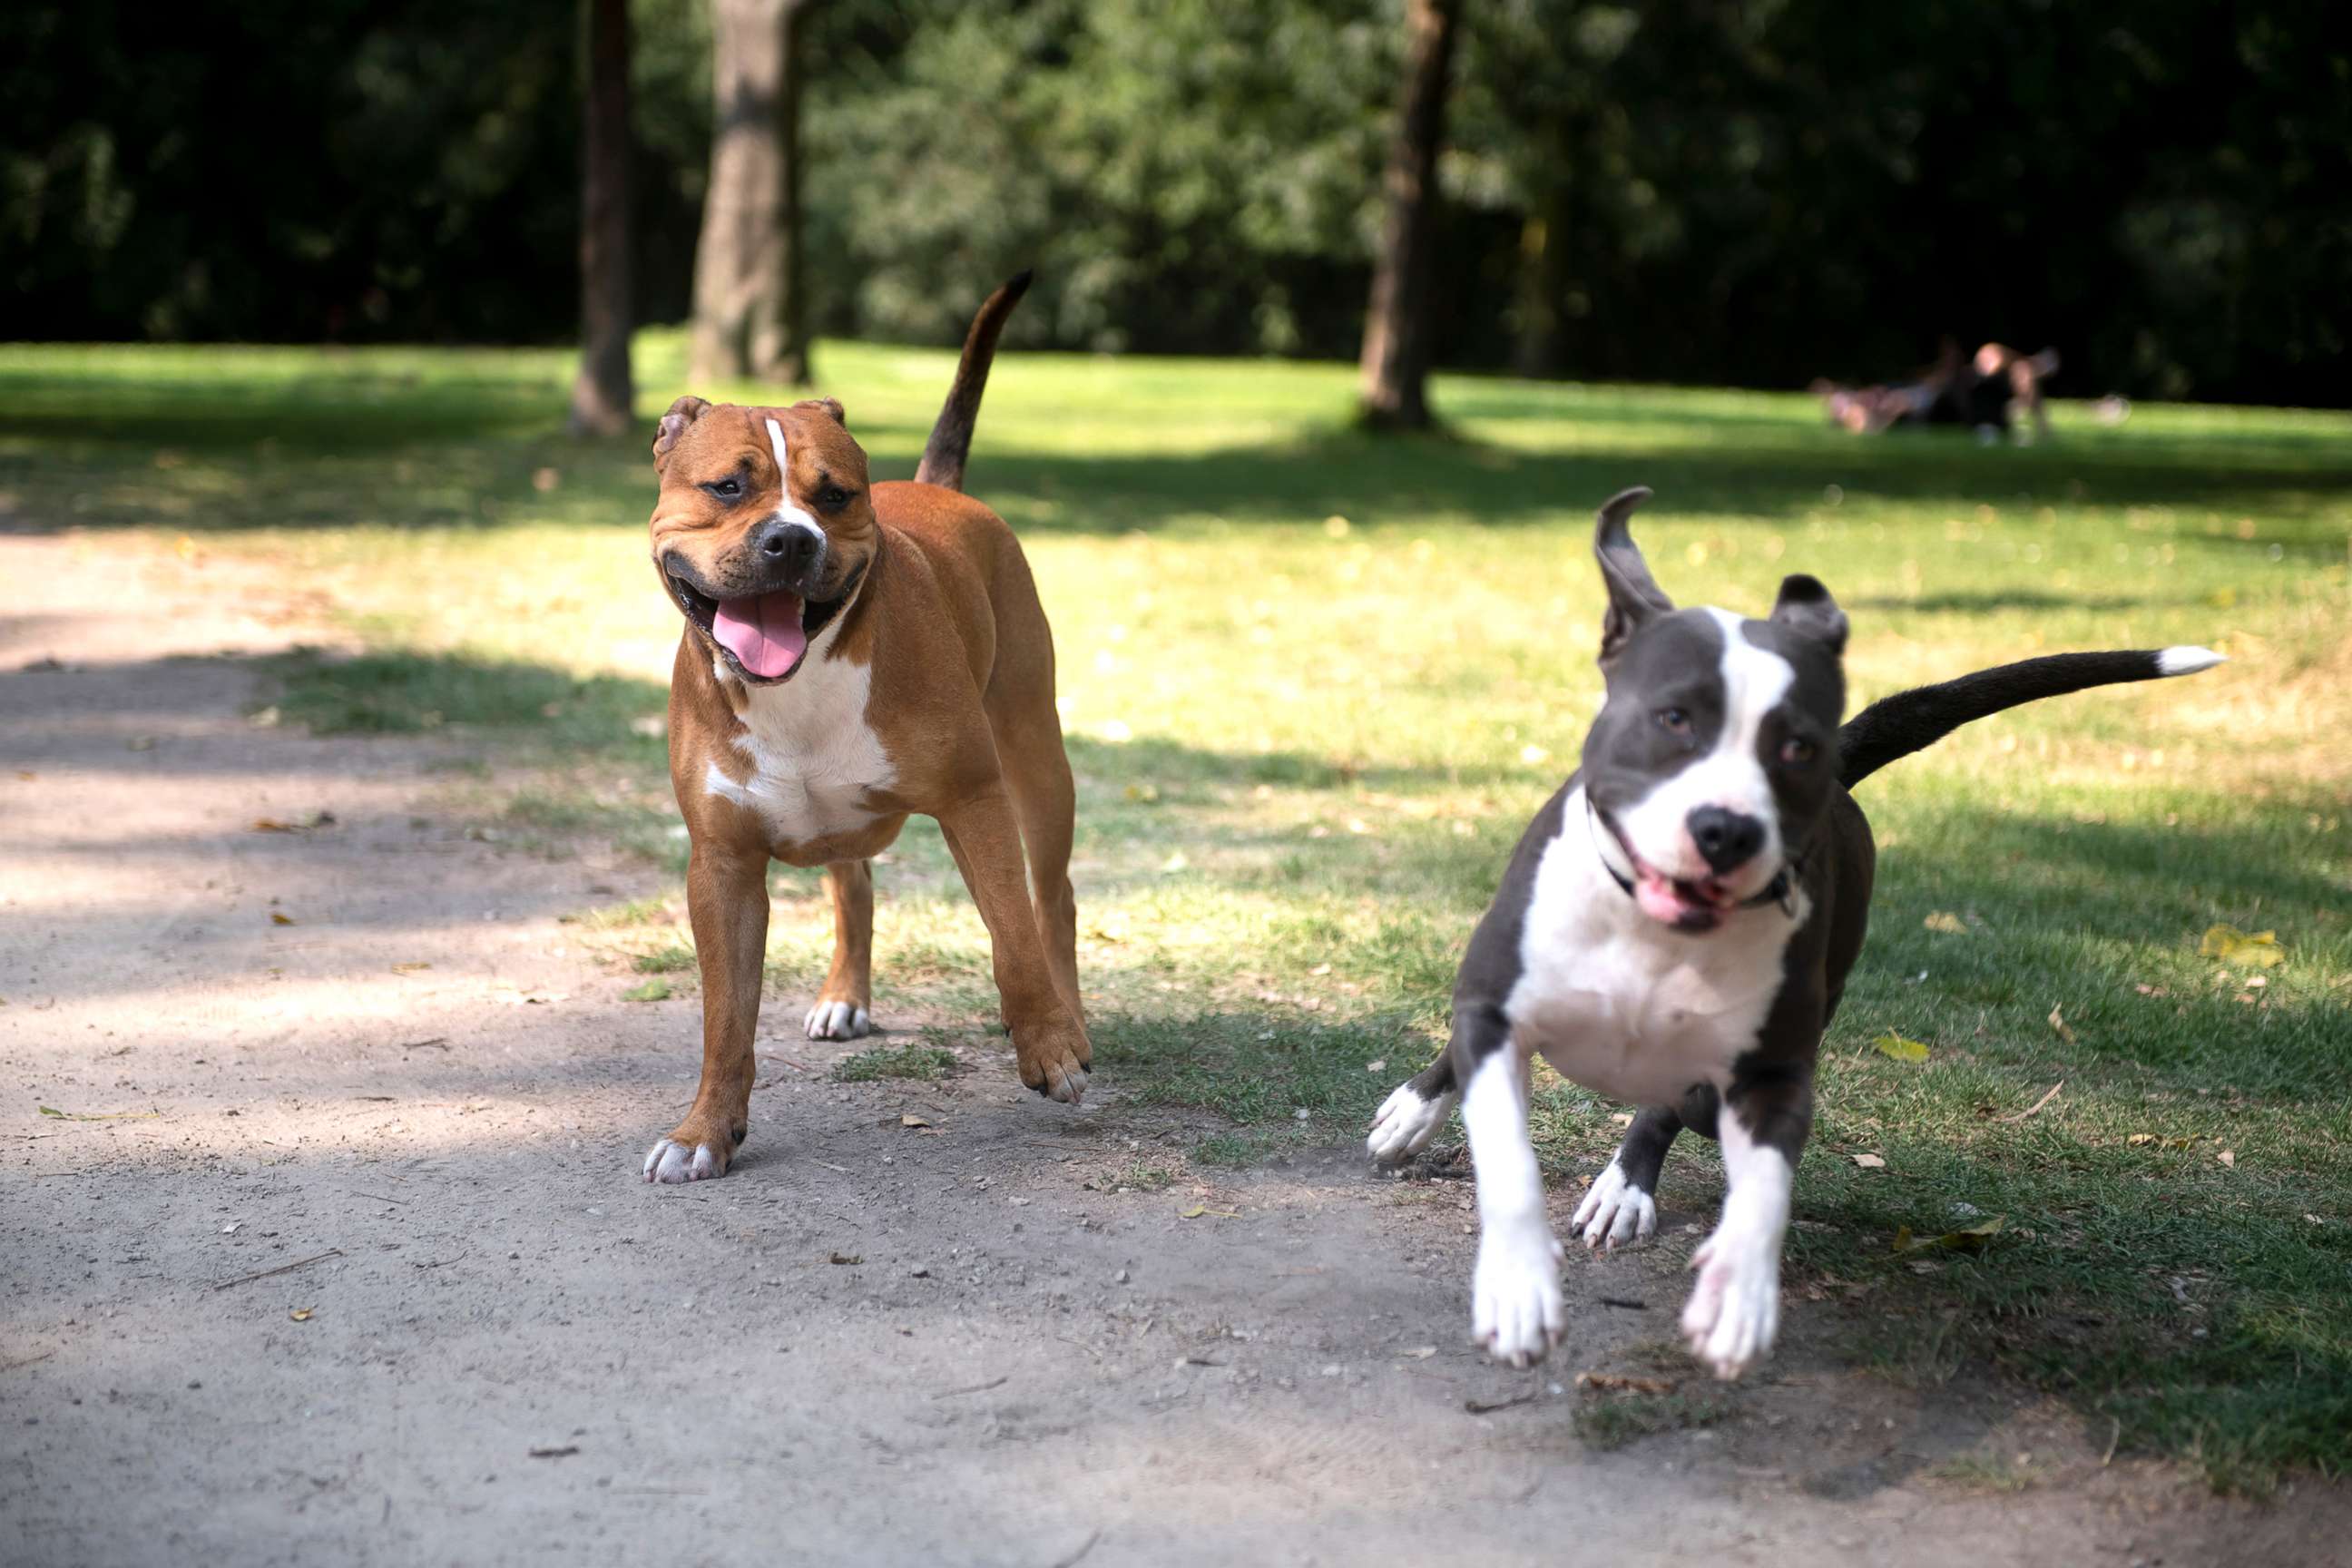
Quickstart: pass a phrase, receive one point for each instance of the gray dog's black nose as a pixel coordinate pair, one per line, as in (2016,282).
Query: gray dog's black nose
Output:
(794,546)
(1725,838)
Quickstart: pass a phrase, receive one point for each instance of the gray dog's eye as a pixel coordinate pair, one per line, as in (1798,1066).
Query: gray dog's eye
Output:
(1797,753)
(1674,721)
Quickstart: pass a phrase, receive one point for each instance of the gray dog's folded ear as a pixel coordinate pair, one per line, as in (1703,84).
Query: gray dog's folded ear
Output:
(1634,595)
(1805,607)
(682,413)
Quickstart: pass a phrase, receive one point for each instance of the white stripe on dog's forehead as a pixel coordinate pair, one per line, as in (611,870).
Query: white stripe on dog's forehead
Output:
(776,439)
(1755,680)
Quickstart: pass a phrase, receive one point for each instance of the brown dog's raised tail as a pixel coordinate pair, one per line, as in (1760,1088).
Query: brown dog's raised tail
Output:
(950,442)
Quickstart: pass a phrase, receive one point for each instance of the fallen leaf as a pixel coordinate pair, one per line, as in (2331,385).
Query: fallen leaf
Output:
(2228,1157)
(2260,949)
(848,1259)
(910,1120)
(1948,923)
(2058,1023)
(301,1314)
(98,1115)
(1614,1383)
(1900,1048)
(409,968)
(1970,1240)
(277,919)
(1870,1161)
(2137,1138)
(1197,1210)
(562,1452)
(1420,1352)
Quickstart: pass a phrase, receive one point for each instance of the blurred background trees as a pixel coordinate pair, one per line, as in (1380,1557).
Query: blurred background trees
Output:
(1691,190)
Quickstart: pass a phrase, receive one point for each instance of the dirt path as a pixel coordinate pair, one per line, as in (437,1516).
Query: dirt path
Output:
(873,1343)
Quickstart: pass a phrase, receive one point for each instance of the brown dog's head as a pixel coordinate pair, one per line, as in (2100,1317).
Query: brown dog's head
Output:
(763,528)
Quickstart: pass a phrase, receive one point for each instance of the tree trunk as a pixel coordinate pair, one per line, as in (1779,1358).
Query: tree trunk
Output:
(602,393)
(1396,364)
(748,299)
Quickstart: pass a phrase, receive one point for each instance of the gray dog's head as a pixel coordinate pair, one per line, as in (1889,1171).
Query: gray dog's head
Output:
(1716,753)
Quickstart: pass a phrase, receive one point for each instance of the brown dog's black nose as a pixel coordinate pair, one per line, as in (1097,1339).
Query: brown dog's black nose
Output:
(791,546)
(1725,838)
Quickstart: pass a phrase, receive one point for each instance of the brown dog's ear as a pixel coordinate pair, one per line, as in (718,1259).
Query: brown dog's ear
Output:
(1634,595)
(825,405)
(1806,608)
(682,413)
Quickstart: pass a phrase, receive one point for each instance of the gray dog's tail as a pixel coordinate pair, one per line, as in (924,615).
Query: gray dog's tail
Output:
(950,442)
(1895,727)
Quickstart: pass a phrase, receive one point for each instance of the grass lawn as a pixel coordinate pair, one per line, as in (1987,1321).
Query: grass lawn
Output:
(1315,683)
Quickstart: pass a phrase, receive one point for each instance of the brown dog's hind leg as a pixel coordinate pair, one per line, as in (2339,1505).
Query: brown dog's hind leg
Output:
(726,900)
(1048,1039)
(1038,772)
(843,1008)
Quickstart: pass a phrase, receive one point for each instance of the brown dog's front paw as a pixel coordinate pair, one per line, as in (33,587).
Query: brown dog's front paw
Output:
(1054,1062)
(694,1152)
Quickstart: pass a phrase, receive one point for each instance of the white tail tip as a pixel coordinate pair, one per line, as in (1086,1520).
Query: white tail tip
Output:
(2187,661)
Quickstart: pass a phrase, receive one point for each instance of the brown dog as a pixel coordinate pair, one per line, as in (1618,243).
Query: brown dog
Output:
(854,654)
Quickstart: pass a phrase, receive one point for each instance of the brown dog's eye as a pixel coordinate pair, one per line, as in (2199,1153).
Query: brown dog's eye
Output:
(1797,753)
(1675,723)
(728,488)
(832,498)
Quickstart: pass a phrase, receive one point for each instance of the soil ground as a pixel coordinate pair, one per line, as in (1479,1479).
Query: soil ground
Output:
(358,1267)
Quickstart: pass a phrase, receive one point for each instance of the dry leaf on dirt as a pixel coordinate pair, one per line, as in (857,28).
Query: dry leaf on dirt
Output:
(2260,949)
(1900,1048)
(848,1259)
(1614,1383)
(1972,1239)
(301,1314)
(1946,921)
(98,1115)
(2058,1023)
(1870,1161)
(409,968)
(1197,1210)
(277,919)
(909,1119)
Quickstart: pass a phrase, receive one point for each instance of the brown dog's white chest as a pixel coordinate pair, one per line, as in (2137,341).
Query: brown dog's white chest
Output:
(806,759)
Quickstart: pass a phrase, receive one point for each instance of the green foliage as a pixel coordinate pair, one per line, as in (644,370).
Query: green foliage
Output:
(1704,191)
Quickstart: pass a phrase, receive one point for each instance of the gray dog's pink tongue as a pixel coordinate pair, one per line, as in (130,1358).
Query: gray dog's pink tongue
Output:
(763,632)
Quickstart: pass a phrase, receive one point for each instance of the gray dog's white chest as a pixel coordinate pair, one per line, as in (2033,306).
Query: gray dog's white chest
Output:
(1623,1006)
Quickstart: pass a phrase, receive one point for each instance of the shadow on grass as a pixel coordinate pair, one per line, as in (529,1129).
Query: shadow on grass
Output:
(460,449)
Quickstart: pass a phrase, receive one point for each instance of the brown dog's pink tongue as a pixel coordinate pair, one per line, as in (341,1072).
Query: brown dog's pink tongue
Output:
(763,632)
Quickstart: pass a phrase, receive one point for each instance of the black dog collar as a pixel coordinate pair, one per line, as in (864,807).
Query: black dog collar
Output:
(1782,889)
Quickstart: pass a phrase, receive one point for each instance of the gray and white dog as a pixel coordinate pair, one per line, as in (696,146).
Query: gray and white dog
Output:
(1675,929)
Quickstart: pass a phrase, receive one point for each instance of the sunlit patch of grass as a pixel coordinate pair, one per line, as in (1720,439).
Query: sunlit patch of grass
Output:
(675,958)
(1988,1474)
(911,1060)
(1314,684)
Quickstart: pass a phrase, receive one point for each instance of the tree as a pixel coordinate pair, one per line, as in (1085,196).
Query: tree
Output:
(1394,367)
(604,392)
(749,306)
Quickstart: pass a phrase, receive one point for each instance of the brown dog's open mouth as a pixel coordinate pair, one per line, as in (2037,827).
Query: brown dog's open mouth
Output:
(764,638)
